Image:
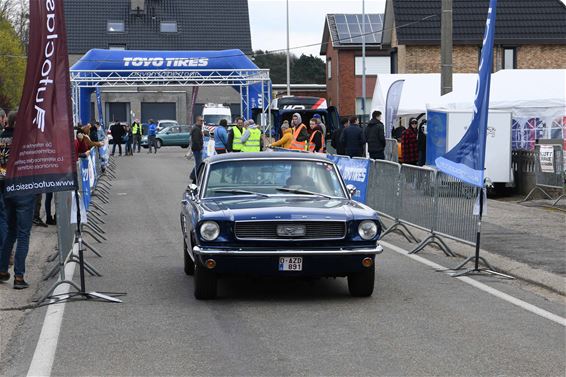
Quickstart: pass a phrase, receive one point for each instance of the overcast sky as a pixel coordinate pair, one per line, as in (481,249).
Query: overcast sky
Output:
(306,19)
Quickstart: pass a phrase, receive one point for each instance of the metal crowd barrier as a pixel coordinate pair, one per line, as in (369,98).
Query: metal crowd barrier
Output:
(549,180)
(426,199)
(391,150)
(94,188)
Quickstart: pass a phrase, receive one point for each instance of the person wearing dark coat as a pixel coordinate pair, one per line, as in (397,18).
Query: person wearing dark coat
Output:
(353,139)
(337,135)
(375,136)
(117,131)
(409,143)
(197,145)
(397,132)
(421,143)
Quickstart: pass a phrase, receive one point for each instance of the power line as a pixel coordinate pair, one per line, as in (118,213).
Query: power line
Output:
(273,52)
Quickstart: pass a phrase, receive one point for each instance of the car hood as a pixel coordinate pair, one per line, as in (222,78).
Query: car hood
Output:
(285,208)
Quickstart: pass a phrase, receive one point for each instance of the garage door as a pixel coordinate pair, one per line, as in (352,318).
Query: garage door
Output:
(158,111)
(117,112)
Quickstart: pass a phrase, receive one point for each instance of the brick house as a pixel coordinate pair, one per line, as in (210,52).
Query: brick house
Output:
(158,25)
(528,34)
(342,46)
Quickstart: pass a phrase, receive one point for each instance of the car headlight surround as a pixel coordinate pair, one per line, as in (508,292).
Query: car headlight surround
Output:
(367,229)
(209,230)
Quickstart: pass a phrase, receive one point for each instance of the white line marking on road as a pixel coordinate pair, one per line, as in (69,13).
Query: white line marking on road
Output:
(44,355)
(492,291)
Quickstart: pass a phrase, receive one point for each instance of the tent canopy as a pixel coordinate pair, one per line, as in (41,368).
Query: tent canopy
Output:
(523,92)
(131,68)
(418,90)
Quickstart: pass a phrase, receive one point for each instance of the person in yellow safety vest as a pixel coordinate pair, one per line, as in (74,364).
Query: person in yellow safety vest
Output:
(137,134)
(316,141)
(235,136)
(251,139)
(300,133)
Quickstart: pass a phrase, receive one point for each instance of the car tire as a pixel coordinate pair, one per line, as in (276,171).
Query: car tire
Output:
(184,146)
(189,264)
(158,143)
(205,283)
(360,284)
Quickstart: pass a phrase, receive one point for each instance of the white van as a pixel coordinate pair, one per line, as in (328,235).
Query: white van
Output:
(212,113)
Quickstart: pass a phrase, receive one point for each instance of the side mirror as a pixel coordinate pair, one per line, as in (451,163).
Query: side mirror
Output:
(193,190)
(351,189)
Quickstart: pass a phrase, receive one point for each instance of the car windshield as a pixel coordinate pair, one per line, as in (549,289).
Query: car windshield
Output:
(273,177)
(215,119)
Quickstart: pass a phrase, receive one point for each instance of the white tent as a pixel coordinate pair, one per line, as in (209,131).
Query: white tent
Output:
(418,90)
(523,92)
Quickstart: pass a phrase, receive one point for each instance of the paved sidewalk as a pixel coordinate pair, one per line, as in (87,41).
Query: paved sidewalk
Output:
(527,233)
(42,244)
(525,240)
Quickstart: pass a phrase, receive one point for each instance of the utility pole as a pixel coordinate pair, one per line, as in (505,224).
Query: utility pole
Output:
(363,59)
(288,55)
(446,48)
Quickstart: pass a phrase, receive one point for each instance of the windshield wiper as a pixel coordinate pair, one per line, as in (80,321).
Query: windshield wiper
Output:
(241,192)
(305,192)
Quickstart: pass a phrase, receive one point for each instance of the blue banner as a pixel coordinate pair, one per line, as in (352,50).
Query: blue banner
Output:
(436,136)
(466,160)
(85,179)
(99,108)
(392,105)
(355,172)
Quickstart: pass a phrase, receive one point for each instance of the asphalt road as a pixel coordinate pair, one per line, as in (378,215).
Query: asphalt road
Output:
(418,322)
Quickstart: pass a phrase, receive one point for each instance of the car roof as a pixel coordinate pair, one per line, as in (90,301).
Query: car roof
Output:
(267,155)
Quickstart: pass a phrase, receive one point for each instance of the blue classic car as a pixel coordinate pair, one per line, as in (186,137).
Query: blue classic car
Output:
(276,214)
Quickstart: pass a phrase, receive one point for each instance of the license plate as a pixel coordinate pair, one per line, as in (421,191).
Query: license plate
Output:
(290,264)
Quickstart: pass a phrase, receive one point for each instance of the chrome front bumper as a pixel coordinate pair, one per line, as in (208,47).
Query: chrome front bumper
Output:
(298,252)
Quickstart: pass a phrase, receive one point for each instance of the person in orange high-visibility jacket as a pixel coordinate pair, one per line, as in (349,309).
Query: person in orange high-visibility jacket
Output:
(300,134)
(316,141)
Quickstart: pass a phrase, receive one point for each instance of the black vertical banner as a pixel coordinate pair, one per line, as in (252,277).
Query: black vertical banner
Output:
(42,152)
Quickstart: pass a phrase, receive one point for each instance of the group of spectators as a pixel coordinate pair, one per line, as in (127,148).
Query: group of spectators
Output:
(243,136)
(131,136)
(351,139)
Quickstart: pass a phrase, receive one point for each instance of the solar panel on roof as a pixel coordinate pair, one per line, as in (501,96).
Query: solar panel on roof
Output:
(349,28)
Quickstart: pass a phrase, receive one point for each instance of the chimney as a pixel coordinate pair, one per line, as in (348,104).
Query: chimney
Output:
(137,6)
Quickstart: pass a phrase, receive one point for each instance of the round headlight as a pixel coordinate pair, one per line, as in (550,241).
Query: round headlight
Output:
(209,230)
(367,229)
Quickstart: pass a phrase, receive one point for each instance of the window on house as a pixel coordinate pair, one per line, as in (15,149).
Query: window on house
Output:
(168,26)
(329,68)
(509,58)
(115,26)
(116,47)
(374,65)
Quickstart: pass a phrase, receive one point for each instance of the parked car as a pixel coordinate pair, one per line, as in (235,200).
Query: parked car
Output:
(172,136)
(164,123)
(276,214)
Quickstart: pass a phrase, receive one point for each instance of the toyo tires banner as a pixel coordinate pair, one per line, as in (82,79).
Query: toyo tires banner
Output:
(42,154)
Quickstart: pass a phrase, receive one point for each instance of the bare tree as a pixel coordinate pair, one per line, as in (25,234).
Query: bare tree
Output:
(16,12)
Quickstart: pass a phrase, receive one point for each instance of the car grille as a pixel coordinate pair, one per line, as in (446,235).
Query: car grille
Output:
(267,230)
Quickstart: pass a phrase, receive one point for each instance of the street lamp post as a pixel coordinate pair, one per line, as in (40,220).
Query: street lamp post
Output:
(288,55)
